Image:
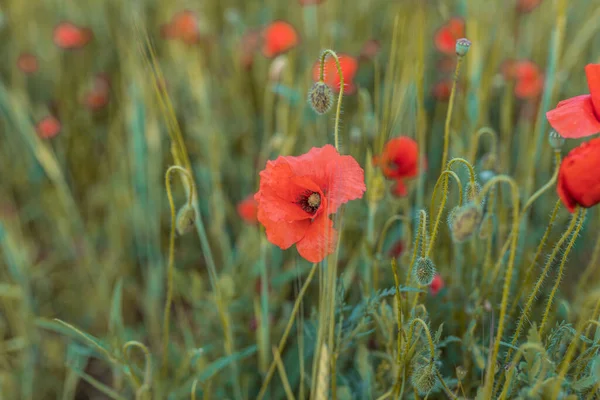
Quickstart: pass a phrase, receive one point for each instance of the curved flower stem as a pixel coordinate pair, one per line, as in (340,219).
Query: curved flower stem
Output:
(444,386)
(286,331)
(525,346)
(475,143)
(489,379)
(411,330)
(449,113)
(525,313)
(469,167)
(443,179)
(338,110)
(420,240)
(147,384)
(170,265)
(401,334)
(580,217)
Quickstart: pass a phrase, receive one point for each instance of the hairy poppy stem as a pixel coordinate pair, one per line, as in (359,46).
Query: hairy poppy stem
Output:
(580,217)
(443,180)
(338,110)
(170,265)
(411,329)
(449,112)
(475,144)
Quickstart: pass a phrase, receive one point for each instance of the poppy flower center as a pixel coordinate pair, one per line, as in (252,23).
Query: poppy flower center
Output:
(310,202)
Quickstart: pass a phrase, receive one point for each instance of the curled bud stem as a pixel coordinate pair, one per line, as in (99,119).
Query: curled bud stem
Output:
(170,265)
(475,146)
(338,110)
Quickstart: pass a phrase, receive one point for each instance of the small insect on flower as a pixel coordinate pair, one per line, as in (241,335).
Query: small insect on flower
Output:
(279,37)
(298,194)
(69,36)
(48,127)
(247,209)
(320,97)
(27,63)
(349,67)
(183,26)
(578,177)
(446,36)
(399,161)
(529,79)
(579,116)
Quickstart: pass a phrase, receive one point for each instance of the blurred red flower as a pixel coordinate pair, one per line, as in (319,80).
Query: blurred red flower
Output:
(399,161)
(442,89)
(397,249)
(525,6)
(349,67)
(247,209)
(69,36)
(48,127)
(578,177)
(27,63)
(98,97)
(249,44)
(579,116)
(370,49)
(297,195)
(278,38)
(183,26)
(436,285)
(310,2)
(529,78)
(446,36)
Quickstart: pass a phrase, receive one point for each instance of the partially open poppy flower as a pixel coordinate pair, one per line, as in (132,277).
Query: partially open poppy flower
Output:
(529,78)
(48,127)
(27,63)
(525,6)
(247,209)
(349,67)
(578,177)
(297,195)
(98,97)
(579,116)
(445,38)
(399,161)
(69,36)
(183,26)
(278,38)
(436,285)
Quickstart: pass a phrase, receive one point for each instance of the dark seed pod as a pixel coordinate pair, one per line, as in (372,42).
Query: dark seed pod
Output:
(185,219)
(320,97)
(424,271)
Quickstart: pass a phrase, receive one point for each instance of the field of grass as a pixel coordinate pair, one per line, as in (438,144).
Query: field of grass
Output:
(136,261)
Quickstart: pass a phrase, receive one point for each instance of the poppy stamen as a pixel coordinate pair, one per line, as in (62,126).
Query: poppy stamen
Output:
(310,202)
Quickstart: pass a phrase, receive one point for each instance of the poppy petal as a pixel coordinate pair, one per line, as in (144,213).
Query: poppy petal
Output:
(529,88)
(281,233)
(574,118)
(399,189)
(247,209)
(592,72)
(349,67)
(279,37)
(578,184)
(319,240)
(339,177)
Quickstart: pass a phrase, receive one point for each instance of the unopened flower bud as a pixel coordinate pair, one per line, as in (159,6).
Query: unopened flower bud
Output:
(465,222)
(556,141)
(320,97)
(461,373)
(462,47)
(424,271)
(424,379)
(185,219)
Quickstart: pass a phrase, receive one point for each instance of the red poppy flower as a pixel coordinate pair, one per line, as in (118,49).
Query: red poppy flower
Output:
(579,116)
(98,97)
(441,91)
(48,127)
(297,195)
(249,44)
(27,63)
(436,285)
(69,36)
(529,78)
(525,6)
(278,38)
(399,161)
(247,209)
(445,38)
(578,178)
(183,26)
(397,249)
(370,49)
(349,67)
